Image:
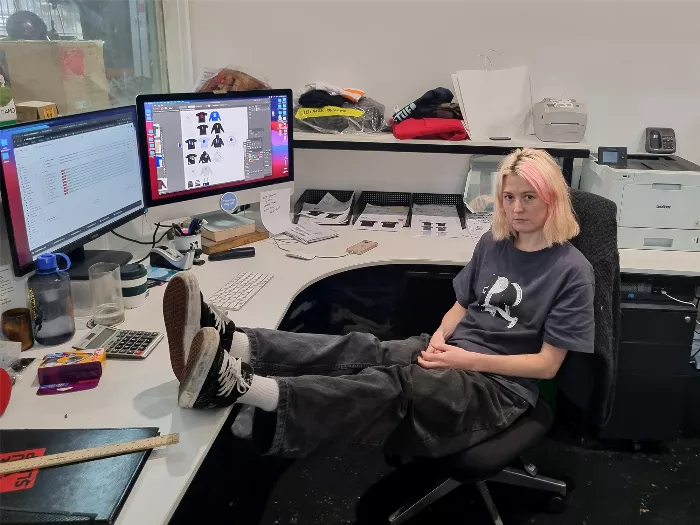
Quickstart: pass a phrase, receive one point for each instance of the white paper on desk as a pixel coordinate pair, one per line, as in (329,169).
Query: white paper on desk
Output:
(328,204)
(477,226)
(13,290)
(435,220)
(382,218)
(328,210)
(310,232)
(274,210)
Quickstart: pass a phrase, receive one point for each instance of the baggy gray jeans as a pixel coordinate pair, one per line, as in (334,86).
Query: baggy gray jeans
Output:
(355,388)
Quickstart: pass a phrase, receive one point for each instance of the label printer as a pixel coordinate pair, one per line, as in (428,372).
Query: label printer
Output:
(559,120)
(657,198)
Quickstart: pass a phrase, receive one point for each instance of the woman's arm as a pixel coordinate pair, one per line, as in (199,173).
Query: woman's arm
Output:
(451,319)
(543,365)
(449,322)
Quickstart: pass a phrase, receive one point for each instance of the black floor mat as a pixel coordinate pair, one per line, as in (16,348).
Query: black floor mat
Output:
(340,486)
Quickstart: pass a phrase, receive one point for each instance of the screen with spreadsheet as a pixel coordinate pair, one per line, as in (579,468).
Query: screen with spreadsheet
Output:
(66,180)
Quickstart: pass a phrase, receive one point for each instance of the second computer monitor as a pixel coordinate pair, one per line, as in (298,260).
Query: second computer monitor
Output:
(197,146)
(67,181)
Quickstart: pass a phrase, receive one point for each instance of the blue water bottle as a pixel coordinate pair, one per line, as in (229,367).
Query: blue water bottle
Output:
(50,301)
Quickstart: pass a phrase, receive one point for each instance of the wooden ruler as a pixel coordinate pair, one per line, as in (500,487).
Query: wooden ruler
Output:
(88,454)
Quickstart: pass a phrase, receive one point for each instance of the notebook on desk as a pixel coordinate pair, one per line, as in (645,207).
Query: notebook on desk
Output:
(89,492)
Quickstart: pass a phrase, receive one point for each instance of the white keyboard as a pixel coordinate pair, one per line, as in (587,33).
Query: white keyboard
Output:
(240,290)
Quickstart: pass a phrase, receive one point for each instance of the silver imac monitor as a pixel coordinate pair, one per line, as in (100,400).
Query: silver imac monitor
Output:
(197,146)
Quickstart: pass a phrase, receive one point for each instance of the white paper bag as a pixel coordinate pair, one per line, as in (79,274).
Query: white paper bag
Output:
(495,102)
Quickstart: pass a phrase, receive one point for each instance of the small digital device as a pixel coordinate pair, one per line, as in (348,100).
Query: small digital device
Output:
(660,140)
(612,156)
(128,344)
(195,147)
(67,181)
(362,247)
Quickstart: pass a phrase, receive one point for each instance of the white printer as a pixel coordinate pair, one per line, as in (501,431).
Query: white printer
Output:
(657,197)
(559,120)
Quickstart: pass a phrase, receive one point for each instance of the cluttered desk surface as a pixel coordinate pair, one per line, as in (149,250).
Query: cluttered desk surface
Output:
(144,393)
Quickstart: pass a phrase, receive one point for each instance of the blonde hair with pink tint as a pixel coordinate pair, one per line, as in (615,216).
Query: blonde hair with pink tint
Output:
(540,170)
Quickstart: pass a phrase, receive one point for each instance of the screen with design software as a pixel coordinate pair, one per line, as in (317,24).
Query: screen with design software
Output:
(202,145)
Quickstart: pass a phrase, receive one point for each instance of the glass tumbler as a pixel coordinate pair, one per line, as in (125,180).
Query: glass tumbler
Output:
(17,326)
(106,291)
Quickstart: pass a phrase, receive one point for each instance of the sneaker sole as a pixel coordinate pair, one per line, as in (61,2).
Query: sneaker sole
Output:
(182,309)
(203,351)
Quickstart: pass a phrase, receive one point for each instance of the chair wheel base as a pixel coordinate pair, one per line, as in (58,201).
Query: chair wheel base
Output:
(557,504)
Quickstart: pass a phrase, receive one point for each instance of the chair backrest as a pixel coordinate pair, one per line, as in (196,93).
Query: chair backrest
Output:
(589,381)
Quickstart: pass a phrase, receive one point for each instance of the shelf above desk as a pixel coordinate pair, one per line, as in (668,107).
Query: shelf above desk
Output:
(387,142)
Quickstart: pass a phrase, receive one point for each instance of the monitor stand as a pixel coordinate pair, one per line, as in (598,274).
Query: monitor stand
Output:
(81,260)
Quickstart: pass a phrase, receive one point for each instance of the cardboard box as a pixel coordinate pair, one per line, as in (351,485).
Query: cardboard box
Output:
(75,365)
(69,73)
(8,112)
(35,110)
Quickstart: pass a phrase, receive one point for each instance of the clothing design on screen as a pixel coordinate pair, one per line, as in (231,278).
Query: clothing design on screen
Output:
(217,145)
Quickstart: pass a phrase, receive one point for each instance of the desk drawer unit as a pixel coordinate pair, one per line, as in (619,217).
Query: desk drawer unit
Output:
(655,342)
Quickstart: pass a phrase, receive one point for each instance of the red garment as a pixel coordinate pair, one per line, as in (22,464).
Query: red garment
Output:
(430,128)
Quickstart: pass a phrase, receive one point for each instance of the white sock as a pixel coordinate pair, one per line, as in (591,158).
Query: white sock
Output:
(240,347)
(264,393)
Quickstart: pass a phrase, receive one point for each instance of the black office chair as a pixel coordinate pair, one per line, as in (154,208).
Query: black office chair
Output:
(586,380)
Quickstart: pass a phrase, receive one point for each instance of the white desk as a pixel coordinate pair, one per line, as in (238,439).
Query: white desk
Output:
(144,393)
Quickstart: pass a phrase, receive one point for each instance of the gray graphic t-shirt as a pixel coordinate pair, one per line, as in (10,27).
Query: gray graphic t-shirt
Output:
(517,301)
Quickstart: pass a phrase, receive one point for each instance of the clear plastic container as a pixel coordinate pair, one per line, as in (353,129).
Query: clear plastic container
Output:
(50,301)
(106,289)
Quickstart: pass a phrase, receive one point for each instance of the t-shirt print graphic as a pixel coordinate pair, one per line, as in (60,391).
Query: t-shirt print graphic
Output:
(202,116)
(499,296)
(203,129)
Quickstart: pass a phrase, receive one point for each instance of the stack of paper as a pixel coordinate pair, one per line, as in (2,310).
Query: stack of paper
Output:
(435,220)
(477,225)
(310,232)
(329,211)
(274,212)
(382,218)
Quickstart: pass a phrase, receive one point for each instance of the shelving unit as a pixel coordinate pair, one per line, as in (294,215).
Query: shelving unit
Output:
(567,151)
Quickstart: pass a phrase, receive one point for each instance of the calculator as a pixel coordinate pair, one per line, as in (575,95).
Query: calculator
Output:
(127,344)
